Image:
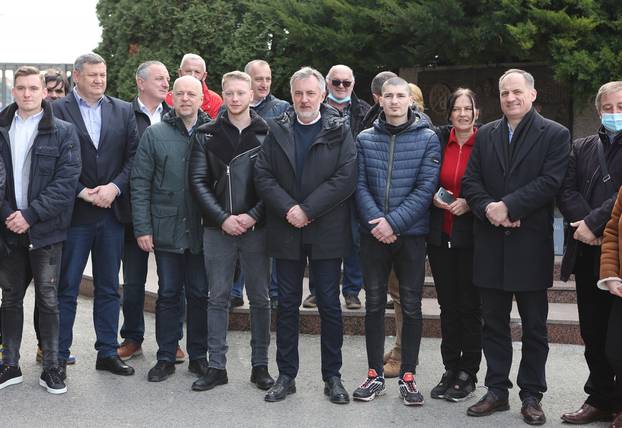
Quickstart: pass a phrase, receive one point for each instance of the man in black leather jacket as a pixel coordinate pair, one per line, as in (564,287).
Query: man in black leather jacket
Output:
(221,177)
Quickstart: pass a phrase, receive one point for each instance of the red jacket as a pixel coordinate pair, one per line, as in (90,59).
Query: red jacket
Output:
(211,101)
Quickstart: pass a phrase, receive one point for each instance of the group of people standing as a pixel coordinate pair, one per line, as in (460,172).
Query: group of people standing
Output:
(215,186)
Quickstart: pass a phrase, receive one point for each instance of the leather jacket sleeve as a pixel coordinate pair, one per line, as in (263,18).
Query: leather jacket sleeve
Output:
(201,180)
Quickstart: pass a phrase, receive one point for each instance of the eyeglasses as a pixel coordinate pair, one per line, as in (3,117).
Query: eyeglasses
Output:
(345,83)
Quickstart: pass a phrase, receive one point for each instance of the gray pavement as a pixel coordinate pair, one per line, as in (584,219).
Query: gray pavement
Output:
(101,399)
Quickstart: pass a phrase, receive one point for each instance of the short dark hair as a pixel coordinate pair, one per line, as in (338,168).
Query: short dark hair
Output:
(88,58)
(378,81)
(57,76)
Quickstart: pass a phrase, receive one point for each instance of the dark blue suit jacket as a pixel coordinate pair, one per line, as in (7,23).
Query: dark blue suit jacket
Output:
(110,162)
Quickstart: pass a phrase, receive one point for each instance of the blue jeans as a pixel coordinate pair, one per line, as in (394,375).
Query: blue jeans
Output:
(352,282)
(176,271)
(291,273)
(104,241)
(135,265)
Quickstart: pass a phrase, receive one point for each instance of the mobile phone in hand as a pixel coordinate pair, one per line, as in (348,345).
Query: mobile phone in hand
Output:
(445,196)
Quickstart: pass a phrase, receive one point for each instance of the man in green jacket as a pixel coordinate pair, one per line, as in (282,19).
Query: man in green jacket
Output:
(168,222)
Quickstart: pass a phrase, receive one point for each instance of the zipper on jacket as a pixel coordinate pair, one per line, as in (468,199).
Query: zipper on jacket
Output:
(229,175)
(389,173)
(229,188)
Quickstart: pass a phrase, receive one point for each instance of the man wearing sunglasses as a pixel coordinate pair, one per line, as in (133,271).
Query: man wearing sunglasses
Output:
(340,86)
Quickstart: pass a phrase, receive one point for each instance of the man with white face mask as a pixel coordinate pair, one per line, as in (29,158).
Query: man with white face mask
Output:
(586,200)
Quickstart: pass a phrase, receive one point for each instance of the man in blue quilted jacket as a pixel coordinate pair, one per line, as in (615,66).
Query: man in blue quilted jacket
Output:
(398,167)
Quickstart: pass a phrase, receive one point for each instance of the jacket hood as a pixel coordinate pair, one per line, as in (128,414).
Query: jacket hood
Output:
(45,125)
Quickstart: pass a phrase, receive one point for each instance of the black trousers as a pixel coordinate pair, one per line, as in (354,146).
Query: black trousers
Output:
(406,257)
(594,307)
(461,312)
(533,307)
(290,274)
(16,272)
(614,350)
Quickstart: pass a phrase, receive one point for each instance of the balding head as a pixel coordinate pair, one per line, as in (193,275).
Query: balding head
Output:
(187,97)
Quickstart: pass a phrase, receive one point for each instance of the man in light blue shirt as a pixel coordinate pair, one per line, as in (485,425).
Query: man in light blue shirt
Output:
(108,138)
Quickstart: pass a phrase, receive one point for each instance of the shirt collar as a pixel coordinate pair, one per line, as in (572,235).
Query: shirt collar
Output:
(81,101)
(258,102)
(316,120)
(145,110)
(34,118)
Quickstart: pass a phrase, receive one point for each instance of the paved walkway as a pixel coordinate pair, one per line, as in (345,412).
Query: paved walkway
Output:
(101,399)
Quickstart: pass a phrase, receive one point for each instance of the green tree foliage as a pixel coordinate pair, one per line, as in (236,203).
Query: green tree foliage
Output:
(582,39)
(579,38)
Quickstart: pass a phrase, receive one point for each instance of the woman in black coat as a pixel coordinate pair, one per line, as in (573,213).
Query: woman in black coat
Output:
(450,253)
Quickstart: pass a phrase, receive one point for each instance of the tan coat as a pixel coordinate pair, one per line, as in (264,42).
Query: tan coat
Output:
(610,250)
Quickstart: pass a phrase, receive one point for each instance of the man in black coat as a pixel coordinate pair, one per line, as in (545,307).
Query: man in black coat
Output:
(340,87)
(108,138)
(42,161)
(516,168)
(586,201)
(305,174)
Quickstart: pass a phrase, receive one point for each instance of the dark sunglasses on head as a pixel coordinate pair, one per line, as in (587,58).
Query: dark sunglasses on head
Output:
(345,83)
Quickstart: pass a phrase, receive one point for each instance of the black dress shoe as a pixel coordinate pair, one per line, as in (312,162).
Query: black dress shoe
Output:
(198,367)
(532,411)
(336,392)
(261,377)
(213,378)
(488,405)
(283,386)
(114,365)
(161,371)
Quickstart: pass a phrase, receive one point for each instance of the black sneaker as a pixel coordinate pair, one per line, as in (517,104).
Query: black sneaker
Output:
(161,371)
(236,302)
(462,388)
(10,375)
(409,391)
(52,382)
(62,369)
(441,388)
(371,388)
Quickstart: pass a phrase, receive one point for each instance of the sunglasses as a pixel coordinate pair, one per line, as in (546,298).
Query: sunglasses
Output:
(345,83)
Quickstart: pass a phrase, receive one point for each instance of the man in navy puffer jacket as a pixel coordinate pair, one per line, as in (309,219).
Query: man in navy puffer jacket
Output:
(398,167)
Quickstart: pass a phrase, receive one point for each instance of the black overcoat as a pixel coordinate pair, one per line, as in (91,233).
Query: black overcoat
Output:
(516,259)
(327,183)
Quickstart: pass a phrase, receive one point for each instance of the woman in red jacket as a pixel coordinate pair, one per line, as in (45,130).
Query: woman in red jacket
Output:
(450,253)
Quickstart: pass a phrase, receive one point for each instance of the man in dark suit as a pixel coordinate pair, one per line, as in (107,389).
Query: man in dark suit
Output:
(108,137)
(517,167)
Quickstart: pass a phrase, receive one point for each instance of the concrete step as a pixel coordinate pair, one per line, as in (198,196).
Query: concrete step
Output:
(560,292)
(563,323)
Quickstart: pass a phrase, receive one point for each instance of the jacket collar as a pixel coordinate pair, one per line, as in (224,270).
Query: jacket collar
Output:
(171,118)
(46,124)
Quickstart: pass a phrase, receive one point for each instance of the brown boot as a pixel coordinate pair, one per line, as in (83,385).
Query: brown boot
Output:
(393,364)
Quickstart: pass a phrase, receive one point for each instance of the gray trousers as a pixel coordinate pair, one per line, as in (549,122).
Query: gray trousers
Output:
(221,254)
